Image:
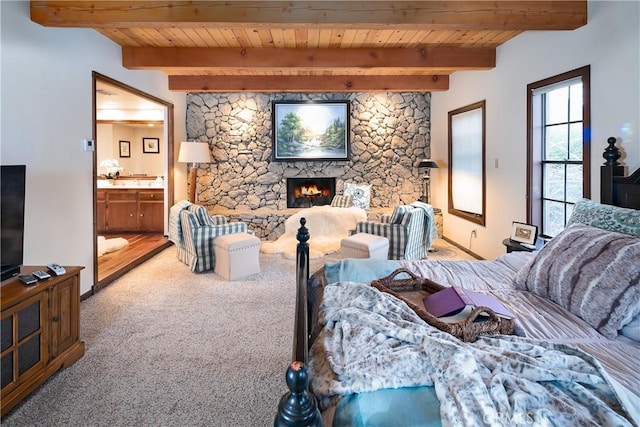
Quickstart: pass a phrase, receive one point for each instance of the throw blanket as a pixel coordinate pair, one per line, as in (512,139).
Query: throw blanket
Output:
(327,225)
(175,229)
(372,340)
(430,230)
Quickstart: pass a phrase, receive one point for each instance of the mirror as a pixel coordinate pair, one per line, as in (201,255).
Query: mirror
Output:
(466,162)
(124,143)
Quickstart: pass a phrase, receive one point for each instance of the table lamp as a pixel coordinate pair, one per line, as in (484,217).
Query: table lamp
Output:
(426,164)
(194,152)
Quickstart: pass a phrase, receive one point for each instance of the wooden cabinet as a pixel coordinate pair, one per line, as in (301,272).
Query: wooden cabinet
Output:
(122,210)
(132,210)
(150,210)
(102,211)
(40,332)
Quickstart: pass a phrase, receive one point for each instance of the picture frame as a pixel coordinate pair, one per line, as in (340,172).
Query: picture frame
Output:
(311,131)
(125,148)
(151,145)
(524,233)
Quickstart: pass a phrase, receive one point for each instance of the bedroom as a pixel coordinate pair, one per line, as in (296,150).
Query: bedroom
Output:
(38,64)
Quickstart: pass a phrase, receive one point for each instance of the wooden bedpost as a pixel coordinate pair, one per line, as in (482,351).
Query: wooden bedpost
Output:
(298,407)
(610,169)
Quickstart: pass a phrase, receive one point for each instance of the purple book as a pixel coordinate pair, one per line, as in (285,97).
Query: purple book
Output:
(450,301)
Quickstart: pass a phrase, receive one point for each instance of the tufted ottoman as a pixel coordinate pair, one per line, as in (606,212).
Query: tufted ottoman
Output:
(363,245)
(237,255)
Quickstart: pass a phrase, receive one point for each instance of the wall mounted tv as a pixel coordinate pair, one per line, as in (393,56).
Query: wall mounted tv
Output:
(12,189)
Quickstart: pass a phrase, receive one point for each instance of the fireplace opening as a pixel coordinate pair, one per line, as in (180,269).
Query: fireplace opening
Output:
(307,192)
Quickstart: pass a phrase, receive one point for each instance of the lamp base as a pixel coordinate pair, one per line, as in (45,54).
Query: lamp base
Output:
(192,184)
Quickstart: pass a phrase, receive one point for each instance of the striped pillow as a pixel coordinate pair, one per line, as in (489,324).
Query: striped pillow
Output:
(344,201)
(591,272)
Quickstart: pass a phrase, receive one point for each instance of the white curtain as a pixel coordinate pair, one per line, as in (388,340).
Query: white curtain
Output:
(466,152)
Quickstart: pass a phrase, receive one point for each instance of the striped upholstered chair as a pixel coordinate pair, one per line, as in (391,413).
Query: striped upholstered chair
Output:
(405,229)
(193,231)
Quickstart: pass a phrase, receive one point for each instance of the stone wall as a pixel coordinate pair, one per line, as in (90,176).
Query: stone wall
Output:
(390,133)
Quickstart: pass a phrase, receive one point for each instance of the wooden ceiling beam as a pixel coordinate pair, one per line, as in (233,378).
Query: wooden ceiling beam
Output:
(458,15)
(414,59)
(309,84)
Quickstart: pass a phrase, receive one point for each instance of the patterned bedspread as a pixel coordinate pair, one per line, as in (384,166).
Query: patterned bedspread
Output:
(372,340)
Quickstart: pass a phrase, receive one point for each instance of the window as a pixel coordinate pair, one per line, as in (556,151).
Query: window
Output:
(558,145)
(466,162)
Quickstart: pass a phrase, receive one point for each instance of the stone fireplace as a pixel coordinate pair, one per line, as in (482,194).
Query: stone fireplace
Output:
(307,192)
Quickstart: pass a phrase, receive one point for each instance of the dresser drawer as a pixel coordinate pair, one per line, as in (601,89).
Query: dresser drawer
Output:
(122,195)
(151,195)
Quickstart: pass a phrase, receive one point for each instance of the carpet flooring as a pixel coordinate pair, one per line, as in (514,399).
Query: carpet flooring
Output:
(166,347)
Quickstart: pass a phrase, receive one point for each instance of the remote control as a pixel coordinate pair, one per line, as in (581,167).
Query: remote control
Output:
(41,274)
(56,268)
(28,279)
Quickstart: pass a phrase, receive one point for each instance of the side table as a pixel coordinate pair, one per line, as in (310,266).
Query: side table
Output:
(513,246)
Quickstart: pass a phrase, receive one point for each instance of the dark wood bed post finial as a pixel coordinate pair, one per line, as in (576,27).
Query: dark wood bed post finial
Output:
(609,171)
(299,408)
(611,153)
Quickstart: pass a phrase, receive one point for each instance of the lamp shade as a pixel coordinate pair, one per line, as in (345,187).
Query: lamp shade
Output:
(427,163)
(194,152)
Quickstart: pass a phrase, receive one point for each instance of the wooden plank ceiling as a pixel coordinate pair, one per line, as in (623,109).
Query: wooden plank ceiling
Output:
(310,46)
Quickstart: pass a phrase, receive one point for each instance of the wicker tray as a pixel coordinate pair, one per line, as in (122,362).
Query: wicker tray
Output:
(467,330)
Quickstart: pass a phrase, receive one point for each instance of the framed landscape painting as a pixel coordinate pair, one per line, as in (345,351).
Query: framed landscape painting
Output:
(310,130)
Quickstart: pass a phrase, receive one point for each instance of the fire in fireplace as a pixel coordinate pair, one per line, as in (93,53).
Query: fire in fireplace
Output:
(307,192)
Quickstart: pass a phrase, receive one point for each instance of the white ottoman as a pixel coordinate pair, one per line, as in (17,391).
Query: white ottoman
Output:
(363,245)
(237,255)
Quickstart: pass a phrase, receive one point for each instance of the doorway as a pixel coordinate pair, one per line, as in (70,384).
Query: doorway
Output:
(132,179)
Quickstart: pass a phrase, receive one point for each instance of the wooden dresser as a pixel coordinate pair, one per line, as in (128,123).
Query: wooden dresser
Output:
(40,331)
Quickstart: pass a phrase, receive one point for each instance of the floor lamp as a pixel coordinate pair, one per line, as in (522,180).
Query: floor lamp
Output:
(426,164)
(194,153)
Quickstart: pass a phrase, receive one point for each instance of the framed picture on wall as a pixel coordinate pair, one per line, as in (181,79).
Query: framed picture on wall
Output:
(125,149)
(150,145)
(310,130)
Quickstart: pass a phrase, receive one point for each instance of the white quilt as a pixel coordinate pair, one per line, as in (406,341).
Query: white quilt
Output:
(371,340)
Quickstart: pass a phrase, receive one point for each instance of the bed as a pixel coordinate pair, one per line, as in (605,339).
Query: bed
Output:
(364,358)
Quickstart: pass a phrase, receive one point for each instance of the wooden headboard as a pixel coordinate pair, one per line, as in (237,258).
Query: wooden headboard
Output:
(615,188)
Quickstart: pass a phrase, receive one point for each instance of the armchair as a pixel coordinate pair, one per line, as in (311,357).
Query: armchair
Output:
(193,231)
(410,230)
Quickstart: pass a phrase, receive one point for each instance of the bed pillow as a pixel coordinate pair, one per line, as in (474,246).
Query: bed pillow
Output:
(361,194)
(613,218)
(591,272)
(342,201)
(632,329)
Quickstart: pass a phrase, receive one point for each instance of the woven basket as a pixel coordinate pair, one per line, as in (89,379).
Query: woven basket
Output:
(467,330)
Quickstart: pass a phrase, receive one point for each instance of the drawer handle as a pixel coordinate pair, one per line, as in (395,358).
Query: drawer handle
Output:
(56,318)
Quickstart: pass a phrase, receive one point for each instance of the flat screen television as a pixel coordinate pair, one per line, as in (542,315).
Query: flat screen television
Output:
(12,192)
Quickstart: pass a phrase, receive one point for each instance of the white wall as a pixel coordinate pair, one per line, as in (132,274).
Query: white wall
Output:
(609,43)
(46,112)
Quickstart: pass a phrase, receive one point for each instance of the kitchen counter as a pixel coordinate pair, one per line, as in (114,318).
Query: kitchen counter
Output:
(129,184)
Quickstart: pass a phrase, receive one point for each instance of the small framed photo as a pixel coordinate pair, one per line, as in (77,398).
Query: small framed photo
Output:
(125,149)
(150,145)
(524,233)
